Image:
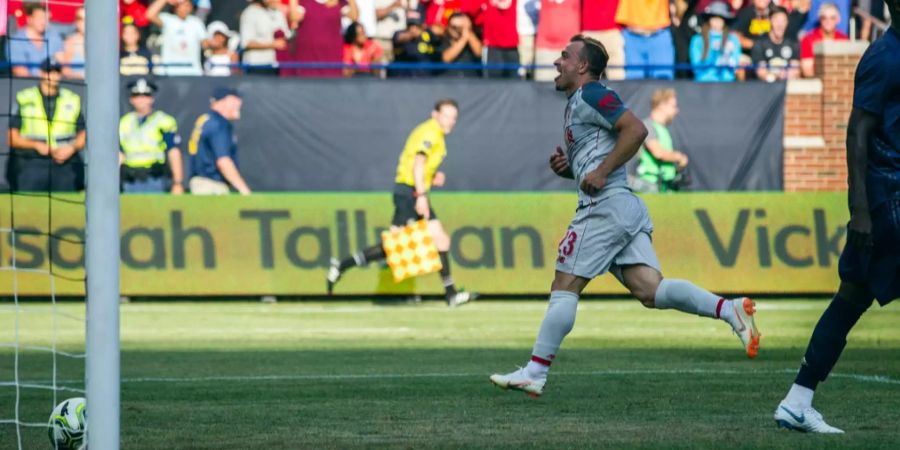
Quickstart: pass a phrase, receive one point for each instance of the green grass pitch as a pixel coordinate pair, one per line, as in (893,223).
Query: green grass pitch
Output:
(357,374)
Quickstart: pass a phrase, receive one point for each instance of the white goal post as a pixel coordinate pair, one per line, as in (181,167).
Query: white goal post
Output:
(102,375)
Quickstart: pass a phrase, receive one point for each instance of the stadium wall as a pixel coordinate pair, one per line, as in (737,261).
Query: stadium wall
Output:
(503,243)
(816,113)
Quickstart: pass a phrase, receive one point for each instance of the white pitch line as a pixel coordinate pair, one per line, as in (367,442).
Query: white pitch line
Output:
(877,379)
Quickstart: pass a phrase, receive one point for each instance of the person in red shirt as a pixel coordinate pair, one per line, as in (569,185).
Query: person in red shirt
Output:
(62,15)
(557,20)
(598,21)
(501,37)
(361,51)
(829,18)
(133,12)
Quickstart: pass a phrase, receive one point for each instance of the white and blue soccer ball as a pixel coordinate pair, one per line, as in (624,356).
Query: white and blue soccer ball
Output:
(68,424)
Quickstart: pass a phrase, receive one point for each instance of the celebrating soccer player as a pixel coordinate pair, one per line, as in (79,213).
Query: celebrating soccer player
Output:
(417,172)
(870,263)
(611,229)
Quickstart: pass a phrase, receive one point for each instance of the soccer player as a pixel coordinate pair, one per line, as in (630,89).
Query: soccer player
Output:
(869,266)
(417,172)
(611,229)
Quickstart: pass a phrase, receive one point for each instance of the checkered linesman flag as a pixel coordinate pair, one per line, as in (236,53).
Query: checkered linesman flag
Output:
(411,251)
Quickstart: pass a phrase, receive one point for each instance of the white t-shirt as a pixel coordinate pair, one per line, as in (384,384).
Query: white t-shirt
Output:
(393,22)
(259,24)
(182,44)
(366,17)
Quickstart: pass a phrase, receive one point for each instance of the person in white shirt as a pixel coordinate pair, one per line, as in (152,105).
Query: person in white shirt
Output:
(367,17)
(391,18)
(261,22)
(221,56)
(183,37)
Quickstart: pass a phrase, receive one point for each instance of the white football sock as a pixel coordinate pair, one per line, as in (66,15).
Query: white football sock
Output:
(686,297)
(799,396)
(558,322)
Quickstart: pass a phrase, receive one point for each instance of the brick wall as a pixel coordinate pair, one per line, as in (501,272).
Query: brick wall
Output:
(815,127)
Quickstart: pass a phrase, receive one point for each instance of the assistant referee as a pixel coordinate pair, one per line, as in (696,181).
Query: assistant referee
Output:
(417,173)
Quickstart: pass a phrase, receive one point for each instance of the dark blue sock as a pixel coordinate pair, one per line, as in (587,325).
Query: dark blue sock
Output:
(828,340)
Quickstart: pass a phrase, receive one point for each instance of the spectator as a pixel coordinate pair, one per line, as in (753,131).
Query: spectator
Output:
(501,39)
(686,22)
(318,37)
(213,147)
(183,37)
(415,45)
(558,19)
(438,13)
(260,22)
(526,25)
(753,23)
(221,55)
(598,21)
(72,56)
(844,6)
(361,51)
(715,45)
(661,167)
(46,134)
(390,16)
(134,58)
(33,44)
(149,145)
(829,18)
(776,57)
(61,14)
(799,10)
(461,46)
(648,39)
(133,12)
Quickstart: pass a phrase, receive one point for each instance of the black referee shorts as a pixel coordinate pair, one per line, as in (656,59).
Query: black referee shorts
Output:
(405,206)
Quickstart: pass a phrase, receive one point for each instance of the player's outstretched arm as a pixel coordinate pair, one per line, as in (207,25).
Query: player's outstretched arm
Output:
(560,164)
(860,127)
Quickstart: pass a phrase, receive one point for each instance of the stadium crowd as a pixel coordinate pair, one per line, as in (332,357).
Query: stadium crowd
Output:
(707,40)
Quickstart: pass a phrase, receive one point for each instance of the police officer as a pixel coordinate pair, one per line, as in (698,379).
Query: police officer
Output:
(213,147)
(149,145)
(46,135)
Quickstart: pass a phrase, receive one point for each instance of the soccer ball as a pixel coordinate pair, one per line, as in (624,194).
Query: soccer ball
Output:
(68,422)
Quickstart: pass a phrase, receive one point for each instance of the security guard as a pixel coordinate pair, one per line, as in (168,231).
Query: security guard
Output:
(149,145)
(46,135)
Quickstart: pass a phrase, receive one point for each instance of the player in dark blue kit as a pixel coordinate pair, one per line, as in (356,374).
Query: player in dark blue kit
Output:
(870,264)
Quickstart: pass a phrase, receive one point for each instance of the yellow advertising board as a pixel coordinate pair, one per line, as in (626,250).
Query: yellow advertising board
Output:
(503,243)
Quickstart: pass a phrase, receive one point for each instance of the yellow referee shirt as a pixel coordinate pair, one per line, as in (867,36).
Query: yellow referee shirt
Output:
(428,139)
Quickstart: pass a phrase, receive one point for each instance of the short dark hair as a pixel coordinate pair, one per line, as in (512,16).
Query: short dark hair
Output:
(351,33)
(594,53)
(30,7)
(445,102)
(779,10)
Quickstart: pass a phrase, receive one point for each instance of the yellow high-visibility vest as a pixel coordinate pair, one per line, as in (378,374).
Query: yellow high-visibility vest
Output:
(144,144)
(35,124)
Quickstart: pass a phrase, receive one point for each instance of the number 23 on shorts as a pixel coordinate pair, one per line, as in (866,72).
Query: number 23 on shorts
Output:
(567,245)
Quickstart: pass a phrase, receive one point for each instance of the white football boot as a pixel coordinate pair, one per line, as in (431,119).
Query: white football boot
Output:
(806,420)
(334,274)
(461,298)
(520,381)
(745,325)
